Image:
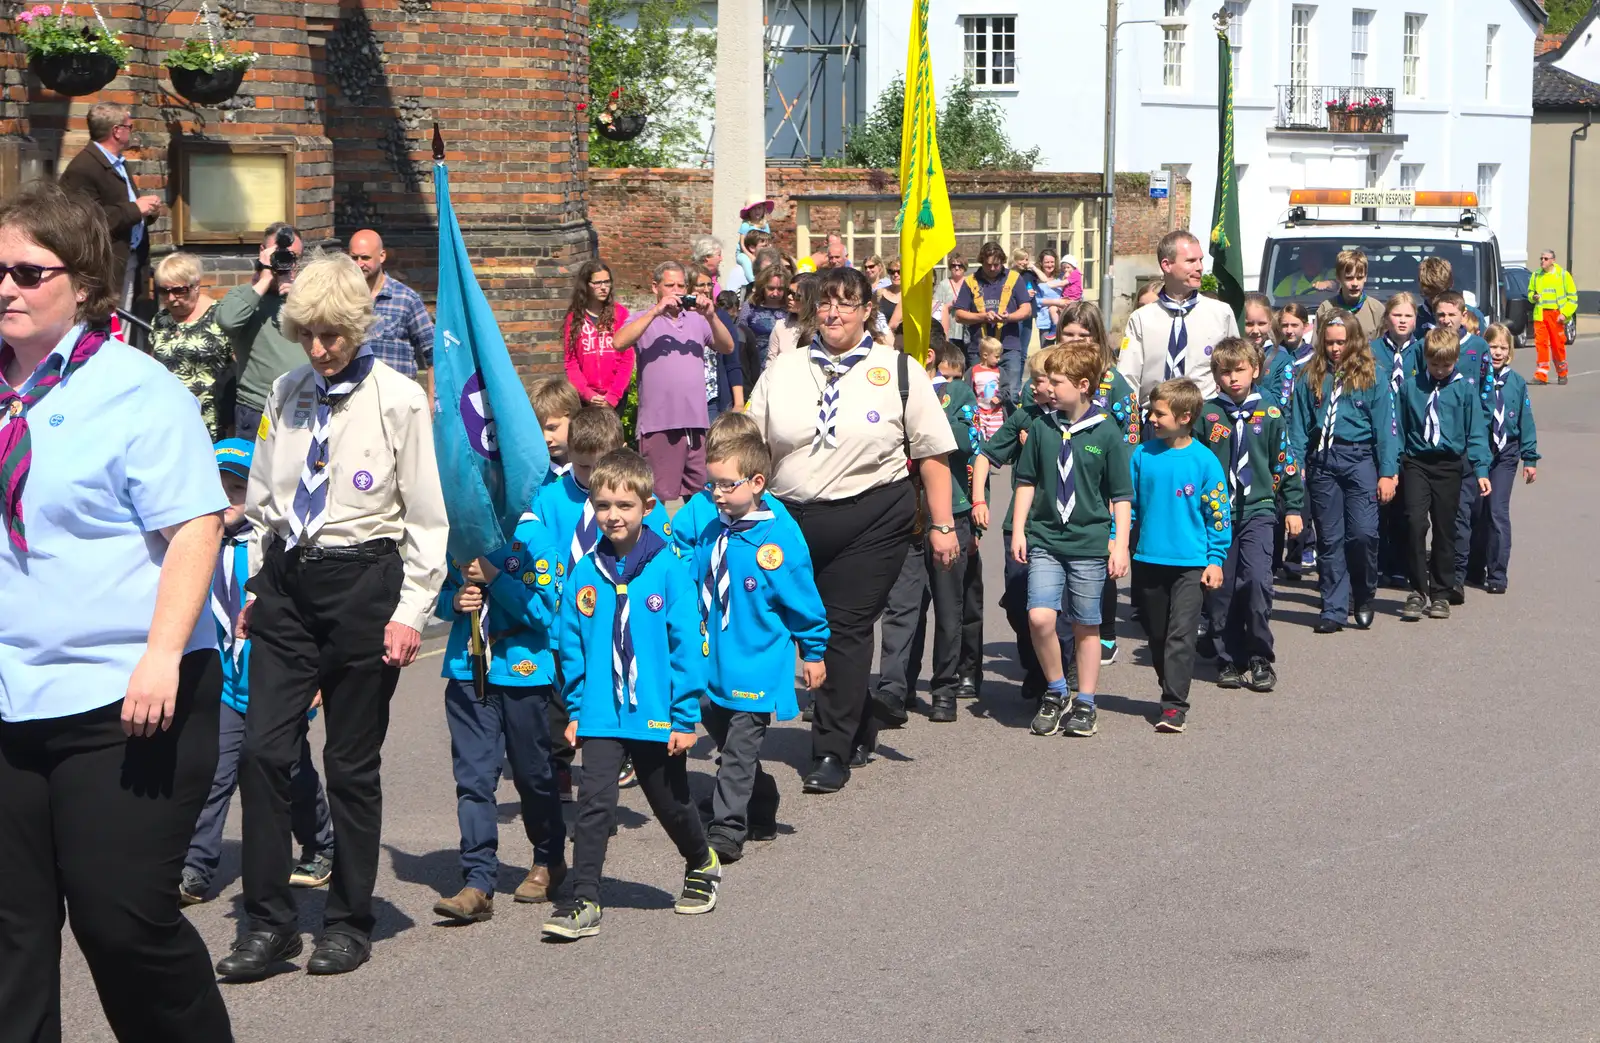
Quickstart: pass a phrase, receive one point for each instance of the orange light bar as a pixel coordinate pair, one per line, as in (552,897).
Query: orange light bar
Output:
(1453,199)
(1384,197)
(1319,197)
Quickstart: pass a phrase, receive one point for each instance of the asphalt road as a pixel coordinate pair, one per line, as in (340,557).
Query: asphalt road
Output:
(1398,844)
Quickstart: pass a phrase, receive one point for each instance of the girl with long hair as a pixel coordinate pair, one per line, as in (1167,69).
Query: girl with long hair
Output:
(595,365)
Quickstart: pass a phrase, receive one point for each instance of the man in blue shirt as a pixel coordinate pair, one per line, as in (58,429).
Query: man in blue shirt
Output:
(402,336)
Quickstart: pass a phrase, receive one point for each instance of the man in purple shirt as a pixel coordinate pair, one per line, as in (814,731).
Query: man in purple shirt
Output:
(670,339)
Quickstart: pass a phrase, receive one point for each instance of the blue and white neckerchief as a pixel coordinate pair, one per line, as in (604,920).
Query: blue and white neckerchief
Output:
(835,367)
(624,664)
(561,470)
(1431,429)
(227,592)
(310,511)
(1240,472)
(1066,482)
(1178,335)
(1330,415)
(1398,374)
(717,585)
(587,531)
(1500,435)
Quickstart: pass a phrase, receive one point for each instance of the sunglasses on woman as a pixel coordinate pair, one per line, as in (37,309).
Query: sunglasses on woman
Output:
(27,276)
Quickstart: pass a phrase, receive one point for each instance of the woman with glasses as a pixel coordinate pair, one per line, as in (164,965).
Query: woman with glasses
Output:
(844,446)
(945,292)
(185,336)
(595,365)
(795,328)
(108,718)
(887,299)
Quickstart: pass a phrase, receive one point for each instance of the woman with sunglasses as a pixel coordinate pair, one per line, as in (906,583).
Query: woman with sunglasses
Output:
(766,307)
(185,336)
(109,718)
(887,298)
(945,292)
(794,328)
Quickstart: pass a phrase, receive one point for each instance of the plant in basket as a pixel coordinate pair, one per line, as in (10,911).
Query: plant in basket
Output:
(207,71)
(69,55)
(623,116)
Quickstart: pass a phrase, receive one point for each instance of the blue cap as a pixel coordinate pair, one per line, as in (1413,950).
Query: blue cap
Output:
(235,454)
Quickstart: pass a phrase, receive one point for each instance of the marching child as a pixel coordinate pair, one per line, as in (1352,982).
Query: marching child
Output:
(514,589)
(633,669)
(1393,353)
(1512,438)
(985,378)
(1450,312)
(1351,267)
(1441,424)
(555,403)
(700,510)
(758,600)
(308,807)
(1180,497)
(1291,555)
(1250,438)
(1079,457)
(1260,324)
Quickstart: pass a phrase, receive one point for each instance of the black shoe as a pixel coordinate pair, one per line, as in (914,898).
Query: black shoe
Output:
(889,712)
(967,690)
(764,829)
(944,708)
(1364,616)
(1288,576)
(1205,646)
(1458,595)
(338,953)
(1229,677)
(726,853)
(827,775)
(1172,719)
(808,712)
(1561,381)
(1262,677)
(253,955)
(1440,609)
(1416,605)
(1081,722)
(860,757)
(1494,588)
(1327,626)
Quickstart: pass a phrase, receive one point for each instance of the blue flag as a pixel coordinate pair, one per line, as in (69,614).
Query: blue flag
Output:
(489,443)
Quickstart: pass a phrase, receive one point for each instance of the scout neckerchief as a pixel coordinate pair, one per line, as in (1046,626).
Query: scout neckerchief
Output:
(835,367)
(624,667)
(227,591)
(1178,335)
(1500,409)
(311,497)
(587,531)
(1330,415)
(1431,429)
(1352,308)
(1397,375)
(715,588)
(560,470)
(16,443)
(1066,483)
(1240,471)
(993,329)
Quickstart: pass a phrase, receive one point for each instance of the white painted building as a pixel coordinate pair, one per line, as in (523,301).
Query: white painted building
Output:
(1459,73)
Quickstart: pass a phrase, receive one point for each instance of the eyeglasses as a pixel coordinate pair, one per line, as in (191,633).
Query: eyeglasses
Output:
(176,291)
(958,267)
(27,276)
(825,307)
(725,485)
(599,282)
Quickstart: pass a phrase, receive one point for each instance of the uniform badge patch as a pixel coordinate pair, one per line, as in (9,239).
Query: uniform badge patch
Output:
(1213,417)
(529,578)
(1219,432)
(524,668)
(666,529)
(586,598)
(872,416)
(362,480)
(654,602)
(561,570)
(770,556)
(750,583)
(544,580)
(1274,412)
(261,428)
(705,648)
(57,420)
(541,565)
(944,401)
(878,376)
(513,564)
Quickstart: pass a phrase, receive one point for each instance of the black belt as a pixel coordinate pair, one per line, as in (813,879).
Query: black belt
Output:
(1316,441)
(368,551)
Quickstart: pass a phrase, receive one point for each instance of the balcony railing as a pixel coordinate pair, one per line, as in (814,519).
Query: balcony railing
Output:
(1336,110)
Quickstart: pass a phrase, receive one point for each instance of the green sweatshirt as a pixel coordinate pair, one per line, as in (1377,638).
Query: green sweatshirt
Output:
(1005,447)
(1101,476)
(264,354)
(960,405)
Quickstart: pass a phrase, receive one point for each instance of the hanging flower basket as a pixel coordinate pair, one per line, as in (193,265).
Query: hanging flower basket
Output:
(208,71)
(69,56)
(207,88)
(624,127)
(74,74)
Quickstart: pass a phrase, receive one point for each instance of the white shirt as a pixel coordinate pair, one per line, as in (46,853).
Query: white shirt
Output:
(1144,356)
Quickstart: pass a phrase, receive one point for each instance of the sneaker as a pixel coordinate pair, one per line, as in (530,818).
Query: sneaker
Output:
(564,785)
(1262,677)
(1440,609)
(627,777)
(1081,721)
(313,872)
(1108,652)
(1230,677)
(573,920)
(1172,720)
(699,893)
(1308,559)
(1048,720)
(192,888)
(1414,608)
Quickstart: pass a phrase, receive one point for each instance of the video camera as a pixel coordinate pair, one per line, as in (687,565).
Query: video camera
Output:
(283,259)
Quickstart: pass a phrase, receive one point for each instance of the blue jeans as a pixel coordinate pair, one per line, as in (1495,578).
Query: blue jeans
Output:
(1502,479)
(513,724)
(1012,362)
(1343,485)
(1071,586)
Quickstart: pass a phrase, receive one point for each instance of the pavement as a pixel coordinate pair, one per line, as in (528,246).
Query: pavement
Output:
(1398,844)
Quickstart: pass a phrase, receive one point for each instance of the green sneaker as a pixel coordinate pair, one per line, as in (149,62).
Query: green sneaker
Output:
(700,889)
(579,918)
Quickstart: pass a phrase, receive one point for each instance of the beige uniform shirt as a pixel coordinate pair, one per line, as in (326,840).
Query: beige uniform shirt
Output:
(1144,357)
(870,452)
(383,481)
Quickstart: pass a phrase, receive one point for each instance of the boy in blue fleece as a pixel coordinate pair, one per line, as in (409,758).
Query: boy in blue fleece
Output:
(555,403)
(1185,524)
(757,601)
(514,590)
(700,510)
(633,669)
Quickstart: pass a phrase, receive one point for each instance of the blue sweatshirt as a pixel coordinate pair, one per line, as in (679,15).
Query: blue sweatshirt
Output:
(700,510)
(664,621)
(1365,415)
(560,506)
(1461,422)
(521,602)
(1519,415)
(555,474)
(1180,497)
(773,605)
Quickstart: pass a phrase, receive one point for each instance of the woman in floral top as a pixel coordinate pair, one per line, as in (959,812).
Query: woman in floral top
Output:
(185,337)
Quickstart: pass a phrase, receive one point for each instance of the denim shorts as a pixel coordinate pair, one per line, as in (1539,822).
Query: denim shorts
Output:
(1070,585)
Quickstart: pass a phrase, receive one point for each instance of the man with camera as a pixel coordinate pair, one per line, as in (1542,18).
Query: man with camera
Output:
(249,316)
(671,338)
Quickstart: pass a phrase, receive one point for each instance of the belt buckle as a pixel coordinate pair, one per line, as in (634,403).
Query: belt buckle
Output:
(312,554)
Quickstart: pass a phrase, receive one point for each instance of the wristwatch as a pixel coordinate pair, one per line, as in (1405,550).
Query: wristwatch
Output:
(946,529)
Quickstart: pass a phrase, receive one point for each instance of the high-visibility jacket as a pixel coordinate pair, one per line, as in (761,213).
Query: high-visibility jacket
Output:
(1553,289)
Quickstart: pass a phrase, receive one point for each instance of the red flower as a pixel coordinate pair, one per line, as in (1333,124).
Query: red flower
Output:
(616,94)
(582,105)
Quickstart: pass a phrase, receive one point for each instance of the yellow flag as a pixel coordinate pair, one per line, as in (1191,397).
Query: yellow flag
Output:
(927,228)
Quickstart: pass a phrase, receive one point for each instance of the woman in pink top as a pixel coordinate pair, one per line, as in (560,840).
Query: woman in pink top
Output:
(595,365)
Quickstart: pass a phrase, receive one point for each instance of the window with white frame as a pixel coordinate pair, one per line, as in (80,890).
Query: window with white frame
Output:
(1360,33)
(989,51)
(1411,72)
(1410,174)
(1300,65)
(1488,173)
(1236,9)
(1173,40)
(1491,89)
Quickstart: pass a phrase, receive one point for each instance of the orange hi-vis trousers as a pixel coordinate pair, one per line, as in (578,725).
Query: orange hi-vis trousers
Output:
(1550,340)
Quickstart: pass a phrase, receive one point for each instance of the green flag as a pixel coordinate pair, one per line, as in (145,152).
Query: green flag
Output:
(1227,263)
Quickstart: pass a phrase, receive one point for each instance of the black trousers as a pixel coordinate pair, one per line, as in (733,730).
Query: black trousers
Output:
(99,822)
(857,548)
(1014,602)
(317,625)
(1432,486)
(1170,598)
(665,782)
(956,596)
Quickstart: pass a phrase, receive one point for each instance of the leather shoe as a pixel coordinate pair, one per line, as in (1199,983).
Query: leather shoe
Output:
(889,712)
(470,905)
(1327,626)
(254,954)
(540,884)
(1494,588)
(967,689)
(827,775)
(1364,617)
(1458,596)
(861,756)
(944,708)
(338,954)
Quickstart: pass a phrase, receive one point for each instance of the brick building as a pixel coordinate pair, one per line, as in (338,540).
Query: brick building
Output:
(354,87)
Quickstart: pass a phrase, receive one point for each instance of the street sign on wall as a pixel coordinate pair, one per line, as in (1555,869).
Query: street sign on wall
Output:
(1160,183)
